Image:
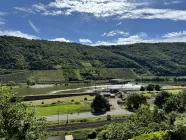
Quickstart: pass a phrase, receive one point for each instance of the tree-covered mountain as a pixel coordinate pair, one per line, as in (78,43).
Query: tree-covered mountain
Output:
(156,59)
(19,53)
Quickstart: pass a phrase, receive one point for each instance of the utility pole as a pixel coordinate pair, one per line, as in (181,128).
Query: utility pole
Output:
(67,117)
(58,116)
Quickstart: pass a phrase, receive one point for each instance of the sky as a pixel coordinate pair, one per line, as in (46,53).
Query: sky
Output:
(95,22)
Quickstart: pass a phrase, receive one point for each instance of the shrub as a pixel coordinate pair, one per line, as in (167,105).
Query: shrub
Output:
(142,88)
(77,103)
(53,103)
(11,83)
(42,103)
(150,87)
(72,100)
(157,87)
(83,120)
(92,135)
(85,98)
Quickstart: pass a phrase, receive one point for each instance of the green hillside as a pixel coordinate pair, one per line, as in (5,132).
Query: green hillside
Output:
(60,61)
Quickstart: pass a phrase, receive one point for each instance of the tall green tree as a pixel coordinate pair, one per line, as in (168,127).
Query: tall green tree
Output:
(134,100)
(17,121)
(100,104)
(161,98)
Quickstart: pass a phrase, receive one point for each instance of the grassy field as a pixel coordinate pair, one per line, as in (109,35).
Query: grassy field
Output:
(61,108)
(125,73)
(66,74)
(174,87)
(65,99)
(48,75)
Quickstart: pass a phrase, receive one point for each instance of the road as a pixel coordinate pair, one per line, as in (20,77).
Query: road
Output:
(117,111)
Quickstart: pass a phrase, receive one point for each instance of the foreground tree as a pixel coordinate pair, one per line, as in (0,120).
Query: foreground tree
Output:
(176,103)
(17,121)
(141,122)
(100,104)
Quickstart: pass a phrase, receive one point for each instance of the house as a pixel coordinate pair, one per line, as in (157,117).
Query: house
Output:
(67,137)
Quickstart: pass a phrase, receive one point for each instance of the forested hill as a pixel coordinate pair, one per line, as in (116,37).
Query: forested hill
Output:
(156,59)
(19,53)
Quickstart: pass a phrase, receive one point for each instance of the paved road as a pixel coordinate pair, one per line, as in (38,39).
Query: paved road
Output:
(117,111)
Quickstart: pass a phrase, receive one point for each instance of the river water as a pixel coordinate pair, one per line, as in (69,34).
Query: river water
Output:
(77,88)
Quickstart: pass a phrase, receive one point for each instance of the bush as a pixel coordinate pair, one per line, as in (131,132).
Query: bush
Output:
(77,103)
(30,82)
(92,135)
(85,99)
(83,120)
(72,100)
(11,83)
(142,88)
(42,103)
(150,87)
(157,87)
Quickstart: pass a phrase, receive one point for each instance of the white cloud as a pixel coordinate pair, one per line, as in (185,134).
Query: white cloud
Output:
(174,34)
(150,13)
(3,13)
(60,40)
(27,10)
(118,24)
(33,26)
(2,22)
(143,38)
(85,41)
(172,2)
(121,9)
(115,32)
(16,34)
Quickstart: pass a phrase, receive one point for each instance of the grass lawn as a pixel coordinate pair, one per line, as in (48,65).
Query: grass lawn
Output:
(46,110)
(65,99)
(174,91)
(174,87)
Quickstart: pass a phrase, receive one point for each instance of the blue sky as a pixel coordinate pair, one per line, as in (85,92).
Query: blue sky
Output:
(95,22)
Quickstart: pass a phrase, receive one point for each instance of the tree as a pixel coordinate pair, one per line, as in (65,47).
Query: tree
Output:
(141,122)
(100,104)
(142,88)
(17,121)
(176,103)
(160,135)
(180,126)
(157,87)
(161,98)
(150,87)
(134,100)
